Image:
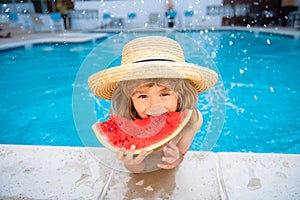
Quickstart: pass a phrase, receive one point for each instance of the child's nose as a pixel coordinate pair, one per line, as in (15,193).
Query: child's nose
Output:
(155,100)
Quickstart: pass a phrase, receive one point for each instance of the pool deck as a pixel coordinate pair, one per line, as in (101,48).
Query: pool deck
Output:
(28,39)
(45,172)
(21,38)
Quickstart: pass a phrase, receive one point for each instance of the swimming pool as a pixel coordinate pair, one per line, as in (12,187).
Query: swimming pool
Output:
(259,73)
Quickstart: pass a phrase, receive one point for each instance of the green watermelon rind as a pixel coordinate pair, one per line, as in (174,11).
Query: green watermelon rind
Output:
(104,141)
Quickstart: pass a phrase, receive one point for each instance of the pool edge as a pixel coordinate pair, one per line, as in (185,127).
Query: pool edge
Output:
(81,37)
(42,38)
(39,172)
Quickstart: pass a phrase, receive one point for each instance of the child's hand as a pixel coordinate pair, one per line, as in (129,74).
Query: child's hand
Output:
(133,163)
(172,156)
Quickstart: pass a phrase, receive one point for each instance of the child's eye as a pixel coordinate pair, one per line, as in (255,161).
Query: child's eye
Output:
(142,96)
(165,94)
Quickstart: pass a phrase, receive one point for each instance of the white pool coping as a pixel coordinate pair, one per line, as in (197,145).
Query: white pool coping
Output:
(44,172)
(28,40)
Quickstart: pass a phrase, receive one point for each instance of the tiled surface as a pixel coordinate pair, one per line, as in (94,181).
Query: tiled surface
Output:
(37,172)
(49,173)
(261,176)
(195,179)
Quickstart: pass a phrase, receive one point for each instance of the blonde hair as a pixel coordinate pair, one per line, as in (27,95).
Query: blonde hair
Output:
(121,97)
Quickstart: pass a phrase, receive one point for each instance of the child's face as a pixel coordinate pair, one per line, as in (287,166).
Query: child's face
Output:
(148,97)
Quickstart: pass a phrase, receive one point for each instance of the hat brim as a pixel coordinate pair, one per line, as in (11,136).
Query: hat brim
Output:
(104,82)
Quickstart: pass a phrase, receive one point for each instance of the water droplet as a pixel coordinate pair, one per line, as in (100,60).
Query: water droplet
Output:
(271,89)
(281,175)
(213,54)
(230,43)
(139,183)
(254,184)
(241,71)
(148,188)
(255,97)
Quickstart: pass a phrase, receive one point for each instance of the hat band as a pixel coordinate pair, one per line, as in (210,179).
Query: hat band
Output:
(150,60)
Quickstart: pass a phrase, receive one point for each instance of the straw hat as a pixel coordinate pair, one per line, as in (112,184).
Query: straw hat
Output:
(151,57)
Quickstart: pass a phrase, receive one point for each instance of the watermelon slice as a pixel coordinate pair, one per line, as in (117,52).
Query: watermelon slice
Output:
(146,134)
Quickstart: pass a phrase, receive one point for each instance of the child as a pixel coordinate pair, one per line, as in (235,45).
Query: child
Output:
(153,79)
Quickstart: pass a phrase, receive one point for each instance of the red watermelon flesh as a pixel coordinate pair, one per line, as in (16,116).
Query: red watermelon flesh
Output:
(146,134)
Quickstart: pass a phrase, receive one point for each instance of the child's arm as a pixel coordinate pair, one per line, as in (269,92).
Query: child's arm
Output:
(173,153)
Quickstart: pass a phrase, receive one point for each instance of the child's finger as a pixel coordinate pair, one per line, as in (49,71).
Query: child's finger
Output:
(121,154)
(142,156)
(130,153)
(163,166)
(168,160)
(172,145)
(171,151)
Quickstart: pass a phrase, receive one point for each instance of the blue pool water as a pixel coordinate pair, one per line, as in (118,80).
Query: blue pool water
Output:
(260,75)
(261,78)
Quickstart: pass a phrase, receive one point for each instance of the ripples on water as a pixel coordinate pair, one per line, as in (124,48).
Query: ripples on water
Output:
(260,75)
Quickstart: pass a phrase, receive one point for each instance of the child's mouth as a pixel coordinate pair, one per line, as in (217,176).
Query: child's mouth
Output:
(156,110)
